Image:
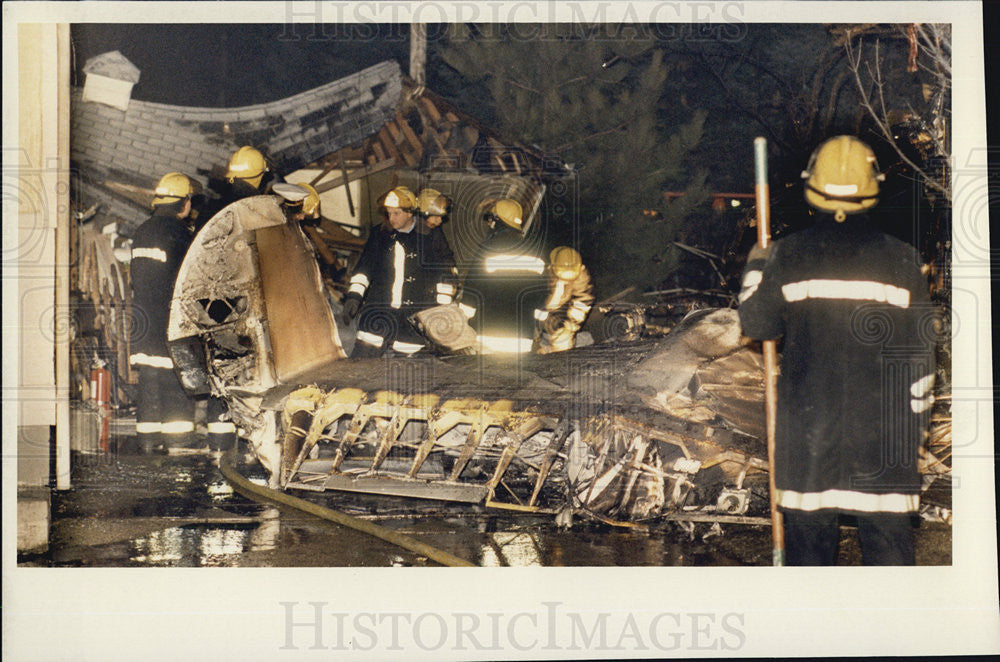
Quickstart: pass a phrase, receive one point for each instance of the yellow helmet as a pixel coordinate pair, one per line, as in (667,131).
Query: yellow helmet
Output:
(248,164)
(400,197)
(432,203)
(842,177)
(173,187)
(508,211)
(310,206)
(298,197)
(565,263)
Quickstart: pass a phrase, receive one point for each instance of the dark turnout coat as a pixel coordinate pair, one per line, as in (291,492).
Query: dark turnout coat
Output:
(162,406)
(158,248)
(506,284)
(856,367)
(398,274)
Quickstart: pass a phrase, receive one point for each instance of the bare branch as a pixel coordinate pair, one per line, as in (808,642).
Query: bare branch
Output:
(620,126)
(937,43)
(743,107)
(880,116)
(521,85)
(571,81)
(880,88)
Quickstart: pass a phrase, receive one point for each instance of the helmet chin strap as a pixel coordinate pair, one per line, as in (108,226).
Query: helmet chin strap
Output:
(840,215)
(840,198)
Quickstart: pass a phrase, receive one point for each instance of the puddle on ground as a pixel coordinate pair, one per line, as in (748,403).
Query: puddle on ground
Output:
(192,546)
(136,510)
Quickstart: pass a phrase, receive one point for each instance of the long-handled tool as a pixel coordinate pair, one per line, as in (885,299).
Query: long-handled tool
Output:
(770,352)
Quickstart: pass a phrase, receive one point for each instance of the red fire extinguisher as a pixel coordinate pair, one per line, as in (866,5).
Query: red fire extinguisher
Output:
(100,392)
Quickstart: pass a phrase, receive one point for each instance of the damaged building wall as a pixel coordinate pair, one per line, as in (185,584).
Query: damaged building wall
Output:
(120,155)
(371,131)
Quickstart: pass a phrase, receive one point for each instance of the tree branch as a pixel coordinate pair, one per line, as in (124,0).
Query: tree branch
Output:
(881,120)
(593,135)
(521,85)
(570,81)
(753,114)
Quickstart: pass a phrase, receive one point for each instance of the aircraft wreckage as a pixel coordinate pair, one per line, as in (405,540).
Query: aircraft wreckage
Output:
(624,432)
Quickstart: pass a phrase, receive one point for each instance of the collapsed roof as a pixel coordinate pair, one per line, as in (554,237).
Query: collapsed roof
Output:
(375,117)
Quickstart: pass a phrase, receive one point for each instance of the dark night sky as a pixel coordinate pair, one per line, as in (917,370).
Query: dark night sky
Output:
(233,65)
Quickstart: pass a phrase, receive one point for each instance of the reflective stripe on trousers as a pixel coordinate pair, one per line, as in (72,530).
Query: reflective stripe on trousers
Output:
(406,347)
(370,338)
(177,427)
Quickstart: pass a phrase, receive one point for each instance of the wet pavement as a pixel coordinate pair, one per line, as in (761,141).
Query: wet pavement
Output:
(128,509)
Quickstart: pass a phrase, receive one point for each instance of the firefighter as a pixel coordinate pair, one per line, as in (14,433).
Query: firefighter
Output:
(247,173)
(299,201)
(571,294)
(505,286)
(394,279)
(433,207)
(857,368)
(165,413)
(432,211)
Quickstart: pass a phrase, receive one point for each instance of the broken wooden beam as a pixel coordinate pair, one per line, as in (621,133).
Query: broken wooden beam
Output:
(347,189)
(321,247)
(356,174)
(408,133)
(385,138)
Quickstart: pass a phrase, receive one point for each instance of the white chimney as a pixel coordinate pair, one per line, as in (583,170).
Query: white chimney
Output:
(110,77)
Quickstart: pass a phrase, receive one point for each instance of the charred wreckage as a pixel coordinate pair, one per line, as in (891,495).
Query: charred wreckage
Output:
(626,432)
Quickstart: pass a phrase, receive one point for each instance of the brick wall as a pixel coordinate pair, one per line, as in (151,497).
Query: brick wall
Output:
(151,139)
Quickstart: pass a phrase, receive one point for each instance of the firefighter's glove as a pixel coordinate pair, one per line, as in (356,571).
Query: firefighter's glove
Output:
(758,253)
(351,307)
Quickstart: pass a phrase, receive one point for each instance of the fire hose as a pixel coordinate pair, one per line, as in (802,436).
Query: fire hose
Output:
(252,490)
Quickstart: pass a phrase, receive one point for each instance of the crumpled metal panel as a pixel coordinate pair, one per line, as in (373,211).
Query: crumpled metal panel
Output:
(492,451)
(218,302)
(545,433)
(705,369)
(734,387)
(220,265)
(189,364)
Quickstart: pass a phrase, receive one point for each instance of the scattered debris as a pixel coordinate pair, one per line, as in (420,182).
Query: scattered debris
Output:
(632,432)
